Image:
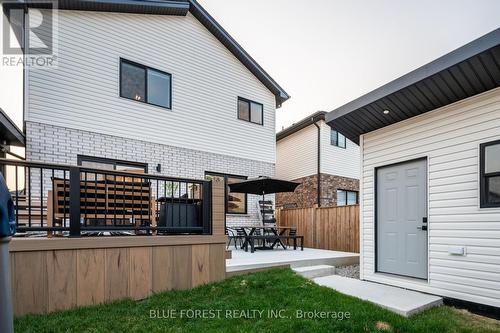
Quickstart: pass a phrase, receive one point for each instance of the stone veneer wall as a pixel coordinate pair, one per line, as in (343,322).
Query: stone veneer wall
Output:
(305,195)
(60,145)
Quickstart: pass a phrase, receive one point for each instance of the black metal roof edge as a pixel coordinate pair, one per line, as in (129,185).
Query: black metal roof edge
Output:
(454,57)
(225,38)
(162,7)
(12,129)
(319,115)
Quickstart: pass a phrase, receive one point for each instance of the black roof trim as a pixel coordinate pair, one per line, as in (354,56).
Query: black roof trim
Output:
(9,132)
(155,7)
(223,36)
(464,72)
(315,117)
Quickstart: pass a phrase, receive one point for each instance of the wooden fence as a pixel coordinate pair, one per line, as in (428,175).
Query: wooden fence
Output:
(333,228)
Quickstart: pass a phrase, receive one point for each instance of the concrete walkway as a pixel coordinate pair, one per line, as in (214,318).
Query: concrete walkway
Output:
(402,301)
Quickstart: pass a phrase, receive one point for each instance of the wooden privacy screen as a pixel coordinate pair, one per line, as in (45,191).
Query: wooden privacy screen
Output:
(332,228)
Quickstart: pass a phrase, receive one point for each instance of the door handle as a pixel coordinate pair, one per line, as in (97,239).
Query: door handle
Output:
(423,228)
(424,219)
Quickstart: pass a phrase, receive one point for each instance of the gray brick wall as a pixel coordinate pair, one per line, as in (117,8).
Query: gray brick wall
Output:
(60,145)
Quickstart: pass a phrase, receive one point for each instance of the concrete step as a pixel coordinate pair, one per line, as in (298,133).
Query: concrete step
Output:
(311,272)
(401,301)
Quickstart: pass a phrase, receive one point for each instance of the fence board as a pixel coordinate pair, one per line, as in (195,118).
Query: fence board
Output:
(332,228)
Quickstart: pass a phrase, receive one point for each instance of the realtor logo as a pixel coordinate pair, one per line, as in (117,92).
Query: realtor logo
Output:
(29,33)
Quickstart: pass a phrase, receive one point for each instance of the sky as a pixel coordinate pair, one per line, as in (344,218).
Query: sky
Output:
(325,53)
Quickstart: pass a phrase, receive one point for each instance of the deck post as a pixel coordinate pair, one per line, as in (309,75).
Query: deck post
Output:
(207,208)
(218,206)
(74,201)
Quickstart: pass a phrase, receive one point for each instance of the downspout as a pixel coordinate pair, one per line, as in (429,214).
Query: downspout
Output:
(318,196)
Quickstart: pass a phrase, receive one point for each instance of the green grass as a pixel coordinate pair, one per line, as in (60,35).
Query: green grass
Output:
(271,290)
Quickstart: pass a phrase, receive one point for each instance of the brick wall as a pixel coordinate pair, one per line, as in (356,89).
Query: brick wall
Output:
(60,145)
(306,194)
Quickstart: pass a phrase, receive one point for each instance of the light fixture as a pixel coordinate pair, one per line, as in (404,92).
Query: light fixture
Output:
(386,111)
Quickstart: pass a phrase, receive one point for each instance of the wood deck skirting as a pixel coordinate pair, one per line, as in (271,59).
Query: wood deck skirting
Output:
(50,274)
(47,244)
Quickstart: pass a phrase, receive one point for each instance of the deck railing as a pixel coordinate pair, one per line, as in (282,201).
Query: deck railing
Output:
(74,201)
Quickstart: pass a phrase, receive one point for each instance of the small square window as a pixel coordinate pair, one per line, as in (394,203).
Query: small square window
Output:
(346,197)
(337,139)
(250,111)
(144,84)
(490,174)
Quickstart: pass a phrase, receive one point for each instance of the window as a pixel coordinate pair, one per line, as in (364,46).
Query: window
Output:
(490,174)
(250,111)
(109,164)
(236,203)
(144,84)
(346,197)
(337,139)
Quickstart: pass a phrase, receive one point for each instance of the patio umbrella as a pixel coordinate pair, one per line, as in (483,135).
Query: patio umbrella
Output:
(263,185)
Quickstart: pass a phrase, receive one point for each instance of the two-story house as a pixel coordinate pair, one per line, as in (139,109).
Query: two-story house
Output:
(311,153)
(157,87)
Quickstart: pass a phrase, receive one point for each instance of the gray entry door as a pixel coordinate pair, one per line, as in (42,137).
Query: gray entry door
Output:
(402,219)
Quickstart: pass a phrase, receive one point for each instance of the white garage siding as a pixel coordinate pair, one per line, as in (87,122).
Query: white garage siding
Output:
(83,92)
(449,137)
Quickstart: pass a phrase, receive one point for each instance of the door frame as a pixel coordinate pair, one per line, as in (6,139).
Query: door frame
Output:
(375,203)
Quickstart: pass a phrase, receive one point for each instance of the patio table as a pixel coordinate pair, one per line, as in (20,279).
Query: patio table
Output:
(274,230)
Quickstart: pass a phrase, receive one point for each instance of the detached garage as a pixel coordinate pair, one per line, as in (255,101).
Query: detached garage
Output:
(430,175)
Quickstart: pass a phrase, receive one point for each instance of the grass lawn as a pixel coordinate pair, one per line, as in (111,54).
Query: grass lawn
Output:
(272,290)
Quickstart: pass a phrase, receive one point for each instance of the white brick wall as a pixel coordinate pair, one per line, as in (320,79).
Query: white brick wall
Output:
(60,145)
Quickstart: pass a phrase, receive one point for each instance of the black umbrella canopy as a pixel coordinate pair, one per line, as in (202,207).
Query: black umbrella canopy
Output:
(263,185)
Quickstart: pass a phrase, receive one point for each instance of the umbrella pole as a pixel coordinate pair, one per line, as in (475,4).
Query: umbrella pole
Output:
(263,194)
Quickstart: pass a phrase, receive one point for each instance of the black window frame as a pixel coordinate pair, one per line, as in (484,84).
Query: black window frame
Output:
(226,192)
(346,196)
(483,193)
(111,161)
(336,143)
(146,68)
(249,102)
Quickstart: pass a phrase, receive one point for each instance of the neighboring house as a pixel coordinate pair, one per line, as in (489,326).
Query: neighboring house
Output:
(311,153)
(157,87)
(430,186)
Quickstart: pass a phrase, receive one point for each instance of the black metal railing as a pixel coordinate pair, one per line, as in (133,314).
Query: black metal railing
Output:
(75,201)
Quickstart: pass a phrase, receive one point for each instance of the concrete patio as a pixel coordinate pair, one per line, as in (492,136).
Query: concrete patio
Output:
(246,261)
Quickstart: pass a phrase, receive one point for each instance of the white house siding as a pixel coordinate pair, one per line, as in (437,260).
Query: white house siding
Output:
(338,161)
(449,137)
(83,92)
(60,145)
(296,155)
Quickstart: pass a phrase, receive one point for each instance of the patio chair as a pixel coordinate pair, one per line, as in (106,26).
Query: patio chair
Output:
(231,236)
(292,235)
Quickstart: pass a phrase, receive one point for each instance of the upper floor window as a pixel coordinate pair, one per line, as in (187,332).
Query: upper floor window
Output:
(337,139)
(490,174)
(145,84)
(250,111)
(346,197)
